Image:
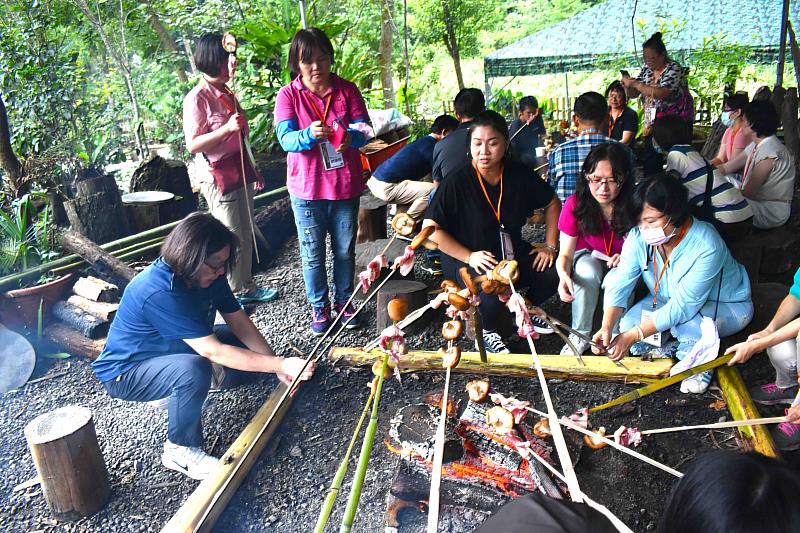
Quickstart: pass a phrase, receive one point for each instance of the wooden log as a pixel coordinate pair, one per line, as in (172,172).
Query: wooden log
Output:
(371,219)
(96,290)
(779,250)
(275,223)
(87,325)
(107,266)
(741,407)
(72,342)
(159,174)
(203,506)
(778,95)
(102,310)
(105,184)
(598,368)
(790,129)
(92,216)
(69,462)
(414,293)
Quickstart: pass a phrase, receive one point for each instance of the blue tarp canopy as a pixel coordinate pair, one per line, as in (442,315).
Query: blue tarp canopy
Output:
(601,37)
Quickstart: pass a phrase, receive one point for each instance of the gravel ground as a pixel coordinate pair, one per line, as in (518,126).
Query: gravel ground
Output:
(284,490)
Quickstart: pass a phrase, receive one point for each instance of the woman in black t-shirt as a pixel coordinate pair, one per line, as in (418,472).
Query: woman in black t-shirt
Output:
(485,203)
(623,122)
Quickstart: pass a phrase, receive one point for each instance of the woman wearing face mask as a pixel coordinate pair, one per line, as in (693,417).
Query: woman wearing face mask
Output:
(688,270)
(313,117)
(593,224)
(664,90)
(734,140)
(767,167)
(478,213)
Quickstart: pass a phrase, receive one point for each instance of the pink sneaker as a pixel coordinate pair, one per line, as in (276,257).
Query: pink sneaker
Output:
(786,436)
(771,394)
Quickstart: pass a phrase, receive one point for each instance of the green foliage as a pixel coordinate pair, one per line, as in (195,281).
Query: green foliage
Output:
(713,67)
(25,236)
(467,18)
(505,102)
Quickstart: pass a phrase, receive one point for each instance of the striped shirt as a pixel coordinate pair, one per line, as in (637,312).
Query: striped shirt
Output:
(565,162)
(729,204)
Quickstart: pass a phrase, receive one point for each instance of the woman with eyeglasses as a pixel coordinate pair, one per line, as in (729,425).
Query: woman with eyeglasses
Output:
(164,347)
(689,274)
(593,224)
(734,140)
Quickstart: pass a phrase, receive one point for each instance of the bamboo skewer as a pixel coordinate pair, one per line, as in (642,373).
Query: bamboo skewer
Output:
(719,425)
(412,317)
(624,449)
(558,436)
(438,459)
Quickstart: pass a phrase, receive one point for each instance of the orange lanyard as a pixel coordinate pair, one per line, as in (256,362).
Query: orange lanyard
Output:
(680,236)
(322,116)
(613,122)
(608,245)
(486,194)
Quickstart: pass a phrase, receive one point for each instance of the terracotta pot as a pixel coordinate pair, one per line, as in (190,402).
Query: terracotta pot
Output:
(20,307)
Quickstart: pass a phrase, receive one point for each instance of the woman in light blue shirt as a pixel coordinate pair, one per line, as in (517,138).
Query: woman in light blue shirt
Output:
(688,270)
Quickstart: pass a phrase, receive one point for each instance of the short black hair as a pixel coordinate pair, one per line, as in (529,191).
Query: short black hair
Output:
(528,102)
(665,193)
(587,210)
(751,493)
(209,55)
(616,86)
(656,44)
(489,118)
(736,101)
(762,117)
(591,107)
(195,238)
(303,44)
(670,130)
(469,102)
(444,122)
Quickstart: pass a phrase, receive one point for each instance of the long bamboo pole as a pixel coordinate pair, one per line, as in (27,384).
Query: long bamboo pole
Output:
(719,425)
(5,281)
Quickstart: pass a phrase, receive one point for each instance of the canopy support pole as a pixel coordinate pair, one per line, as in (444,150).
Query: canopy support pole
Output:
(303,21)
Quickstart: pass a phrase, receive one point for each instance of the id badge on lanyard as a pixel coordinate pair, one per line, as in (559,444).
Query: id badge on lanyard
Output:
(656,338)
(506,245)
(331,159)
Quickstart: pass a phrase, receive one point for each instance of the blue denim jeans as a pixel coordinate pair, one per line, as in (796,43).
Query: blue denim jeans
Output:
(731,319)
(183,377)
(315,220)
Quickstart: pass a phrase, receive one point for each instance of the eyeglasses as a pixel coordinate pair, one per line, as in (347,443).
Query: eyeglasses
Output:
(216,268)
(597,181)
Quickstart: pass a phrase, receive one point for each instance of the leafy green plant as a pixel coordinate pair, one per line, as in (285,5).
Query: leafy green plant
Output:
(25,234)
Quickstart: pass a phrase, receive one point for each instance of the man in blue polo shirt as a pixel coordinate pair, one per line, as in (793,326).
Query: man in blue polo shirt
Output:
(162,342)
(397,180)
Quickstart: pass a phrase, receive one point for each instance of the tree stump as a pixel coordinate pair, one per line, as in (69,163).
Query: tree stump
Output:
(69,462)
(371,219)
(159,174)
(97,217)
(790,128)
(415,295)
(778,94)
(366,252)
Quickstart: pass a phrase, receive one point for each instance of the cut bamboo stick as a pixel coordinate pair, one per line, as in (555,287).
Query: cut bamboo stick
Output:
(624,449)
(203,506)
(741,407)
(598,368)
(719,425)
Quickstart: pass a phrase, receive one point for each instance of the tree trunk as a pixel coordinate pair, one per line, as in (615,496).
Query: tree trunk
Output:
(122,63)
(387,29)
(189,55)
(168,42)
(8,159)
(451,42)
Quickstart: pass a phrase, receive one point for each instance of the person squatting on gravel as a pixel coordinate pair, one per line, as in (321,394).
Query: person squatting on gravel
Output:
(162,342)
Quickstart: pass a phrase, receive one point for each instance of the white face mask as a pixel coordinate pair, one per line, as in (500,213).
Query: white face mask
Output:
(656,236)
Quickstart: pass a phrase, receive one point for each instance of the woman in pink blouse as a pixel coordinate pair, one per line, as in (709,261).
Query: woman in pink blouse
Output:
(216,131)
(593,223)
(313,117)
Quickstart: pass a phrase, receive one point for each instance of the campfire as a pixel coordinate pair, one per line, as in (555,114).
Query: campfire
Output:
(483,467)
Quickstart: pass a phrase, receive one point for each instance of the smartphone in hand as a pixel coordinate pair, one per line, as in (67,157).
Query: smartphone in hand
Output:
(625,73)
(339,133)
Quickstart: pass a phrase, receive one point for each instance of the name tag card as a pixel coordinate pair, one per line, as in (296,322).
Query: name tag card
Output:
(654,339)
(506,246)
(331,159)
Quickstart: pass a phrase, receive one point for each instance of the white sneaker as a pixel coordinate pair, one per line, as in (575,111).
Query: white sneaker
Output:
(163,403)
(193,462)
(580,344)
(698,383)
(493,342)
(540,326)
